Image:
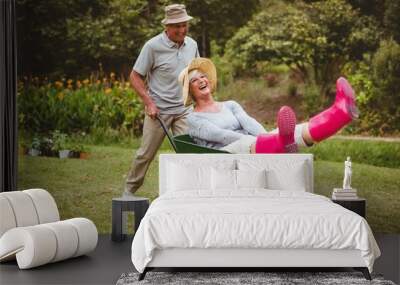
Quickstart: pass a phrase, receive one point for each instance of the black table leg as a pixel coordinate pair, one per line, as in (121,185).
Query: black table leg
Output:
(117,234)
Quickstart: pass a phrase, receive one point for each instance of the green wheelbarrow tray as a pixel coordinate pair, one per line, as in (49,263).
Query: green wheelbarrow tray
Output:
(185,144)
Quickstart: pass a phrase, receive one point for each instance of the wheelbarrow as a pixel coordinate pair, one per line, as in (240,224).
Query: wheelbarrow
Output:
(184,143)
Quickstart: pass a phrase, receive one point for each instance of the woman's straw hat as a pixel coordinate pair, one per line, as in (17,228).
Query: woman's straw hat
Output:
(204,65)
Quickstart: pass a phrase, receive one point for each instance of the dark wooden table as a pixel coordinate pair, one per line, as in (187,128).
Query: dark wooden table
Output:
(357,205)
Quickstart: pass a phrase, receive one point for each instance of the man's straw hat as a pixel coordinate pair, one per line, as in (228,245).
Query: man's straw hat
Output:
(204,65)
(175,13)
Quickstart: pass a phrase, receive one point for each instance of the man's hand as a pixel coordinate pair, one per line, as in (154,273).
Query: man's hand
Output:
(139,86)
(151,110)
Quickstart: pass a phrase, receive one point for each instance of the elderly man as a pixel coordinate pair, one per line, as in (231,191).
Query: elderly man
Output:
(160,61)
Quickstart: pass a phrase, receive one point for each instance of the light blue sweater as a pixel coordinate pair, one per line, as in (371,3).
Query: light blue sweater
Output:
(216,130)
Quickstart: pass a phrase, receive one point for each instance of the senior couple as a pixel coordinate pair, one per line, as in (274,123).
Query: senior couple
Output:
(178,78)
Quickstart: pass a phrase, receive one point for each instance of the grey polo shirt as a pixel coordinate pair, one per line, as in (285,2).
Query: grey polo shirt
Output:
(160,61)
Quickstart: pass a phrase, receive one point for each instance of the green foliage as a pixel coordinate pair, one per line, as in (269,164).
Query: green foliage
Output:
(73,107)
(113,38)
(312,99)
(217,20)
(386,71)
(378,153)
(35,144)
(224,68)
(72,36)
(322,35)
(377,84)
(59,140)
(391,19)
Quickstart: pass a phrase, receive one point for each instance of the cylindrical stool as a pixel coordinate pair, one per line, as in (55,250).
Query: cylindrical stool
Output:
(138,205)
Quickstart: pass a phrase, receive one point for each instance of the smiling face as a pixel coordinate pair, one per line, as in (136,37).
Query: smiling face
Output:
(199,86)
(177,32)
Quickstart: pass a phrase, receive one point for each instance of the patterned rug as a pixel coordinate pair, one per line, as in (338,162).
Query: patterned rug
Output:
(243,278)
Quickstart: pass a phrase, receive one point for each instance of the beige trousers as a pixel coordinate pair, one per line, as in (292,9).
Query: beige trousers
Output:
(153,136)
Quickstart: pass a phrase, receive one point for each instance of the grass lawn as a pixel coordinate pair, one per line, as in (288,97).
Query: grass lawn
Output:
(84,188)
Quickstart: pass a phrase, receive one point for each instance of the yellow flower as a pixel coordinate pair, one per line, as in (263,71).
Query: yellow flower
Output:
(60,96)
(108,90)
(58,84)
(69,81)
(86,81)
(112,74)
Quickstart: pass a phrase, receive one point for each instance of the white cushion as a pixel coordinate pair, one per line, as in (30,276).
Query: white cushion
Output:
(231,180)
(223,179)
(183,177)
(293,180)
(46,207)
(283,174)
(7,218)
(251,178)
(67,240)
(23,208)
(32,246)
(193,175)
(87,233)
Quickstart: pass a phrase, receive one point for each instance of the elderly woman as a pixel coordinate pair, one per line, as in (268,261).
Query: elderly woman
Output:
(226,126)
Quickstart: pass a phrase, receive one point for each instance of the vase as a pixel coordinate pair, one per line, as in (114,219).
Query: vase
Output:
(34,152)
(63,153)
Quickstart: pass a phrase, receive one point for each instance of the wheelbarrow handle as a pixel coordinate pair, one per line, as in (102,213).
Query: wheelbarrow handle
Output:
(169,136)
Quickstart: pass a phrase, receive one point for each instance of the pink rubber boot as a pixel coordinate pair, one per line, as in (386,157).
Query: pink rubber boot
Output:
(283,142)
(342,112)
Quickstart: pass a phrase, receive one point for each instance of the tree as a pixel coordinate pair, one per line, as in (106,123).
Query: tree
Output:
(218,20)
(391,19)
(72,37)
(113,38)
(41,29)
(319,36)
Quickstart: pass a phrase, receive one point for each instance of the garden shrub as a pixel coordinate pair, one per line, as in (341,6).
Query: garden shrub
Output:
(386,78)
(79,106)
(315,39)
(376,81)
(312,99)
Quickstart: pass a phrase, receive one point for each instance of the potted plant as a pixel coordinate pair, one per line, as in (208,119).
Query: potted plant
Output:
(78,150)
(84,152)
(75,149)
(34,149)
(46,147)
(60,144)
